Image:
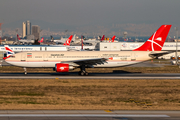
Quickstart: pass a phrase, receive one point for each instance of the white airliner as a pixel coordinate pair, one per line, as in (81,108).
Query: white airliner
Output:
(69,60)
(25,41)
(63,40)
(74,48)
(94,41)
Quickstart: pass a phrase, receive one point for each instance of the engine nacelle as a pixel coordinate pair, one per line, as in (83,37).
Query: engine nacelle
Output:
(62,67)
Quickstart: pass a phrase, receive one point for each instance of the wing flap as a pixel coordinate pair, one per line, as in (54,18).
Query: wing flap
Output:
(88,61)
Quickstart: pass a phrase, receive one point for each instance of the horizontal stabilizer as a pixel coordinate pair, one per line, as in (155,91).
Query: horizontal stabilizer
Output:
(159,53)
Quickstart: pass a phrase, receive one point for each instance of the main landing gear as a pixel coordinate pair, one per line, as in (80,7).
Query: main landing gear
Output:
(25,71)
(83,71)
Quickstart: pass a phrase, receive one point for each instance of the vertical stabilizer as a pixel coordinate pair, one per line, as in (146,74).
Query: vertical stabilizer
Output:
(102,39)
(42,40)
(18,37)
(68,41)
(112,40)
(9,52)
(156,41)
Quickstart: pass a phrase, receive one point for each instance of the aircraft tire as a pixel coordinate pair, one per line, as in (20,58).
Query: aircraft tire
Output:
(82,73)
(86,73)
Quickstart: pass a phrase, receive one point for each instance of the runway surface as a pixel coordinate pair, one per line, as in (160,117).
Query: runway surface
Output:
(87,115)
(75,75)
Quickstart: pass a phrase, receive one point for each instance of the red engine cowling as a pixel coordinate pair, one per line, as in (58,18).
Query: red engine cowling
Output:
(61,67)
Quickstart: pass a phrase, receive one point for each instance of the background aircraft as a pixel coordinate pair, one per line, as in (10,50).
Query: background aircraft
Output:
(63,40)
(25,41)
(93,42)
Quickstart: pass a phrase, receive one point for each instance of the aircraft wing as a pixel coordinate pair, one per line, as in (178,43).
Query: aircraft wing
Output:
(158,54)
(88,61)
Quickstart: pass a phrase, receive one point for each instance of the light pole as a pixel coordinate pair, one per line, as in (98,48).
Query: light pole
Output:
(176,45)
(16,34)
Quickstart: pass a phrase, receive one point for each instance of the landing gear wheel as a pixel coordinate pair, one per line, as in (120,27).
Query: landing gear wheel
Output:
(25,71)
(86,73)
(82,73)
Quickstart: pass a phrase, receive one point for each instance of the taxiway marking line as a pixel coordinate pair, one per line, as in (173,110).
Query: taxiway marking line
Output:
(78,115)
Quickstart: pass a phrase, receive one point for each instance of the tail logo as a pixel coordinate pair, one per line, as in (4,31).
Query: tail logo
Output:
(153,42)
(9,52)
(68,41)
(159,38)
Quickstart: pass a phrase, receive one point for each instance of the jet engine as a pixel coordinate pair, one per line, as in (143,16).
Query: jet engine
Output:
(62,67)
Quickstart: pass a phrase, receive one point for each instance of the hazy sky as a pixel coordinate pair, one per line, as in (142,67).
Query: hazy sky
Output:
(76,13)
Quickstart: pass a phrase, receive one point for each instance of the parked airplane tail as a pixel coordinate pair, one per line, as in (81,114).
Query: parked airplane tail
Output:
(9,52)
(156,41)
(18,37)
(74,37)
(68,41)
(42,40)
(52,37)
(112,40)
(102,38)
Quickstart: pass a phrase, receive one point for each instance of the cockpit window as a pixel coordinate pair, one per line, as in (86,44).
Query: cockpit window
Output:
(12,56)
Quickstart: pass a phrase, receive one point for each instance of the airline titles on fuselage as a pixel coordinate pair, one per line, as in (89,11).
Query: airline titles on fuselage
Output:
(57,55)
(19,49)
(122,57)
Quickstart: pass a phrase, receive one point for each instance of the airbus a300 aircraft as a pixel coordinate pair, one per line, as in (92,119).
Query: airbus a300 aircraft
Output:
(69,60)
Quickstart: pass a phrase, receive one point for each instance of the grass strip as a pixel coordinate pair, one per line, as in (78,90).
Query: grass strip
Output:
(90,94)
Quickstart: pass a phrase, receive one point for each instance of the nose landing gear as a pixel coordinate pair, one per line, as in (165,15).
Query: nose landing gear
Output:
(25,71)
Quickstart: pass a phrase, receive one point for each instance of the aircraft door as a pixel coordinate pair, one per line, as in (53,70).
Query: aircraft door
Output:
(133,56)
(45,57)
(23,57)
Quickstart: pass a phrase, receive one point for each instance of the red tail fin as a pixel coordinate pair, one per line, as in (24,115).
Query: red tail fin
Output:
(9,52)
(156,41)
(112,40)
(41,40)
(18,37)
(102,38)
(68,41)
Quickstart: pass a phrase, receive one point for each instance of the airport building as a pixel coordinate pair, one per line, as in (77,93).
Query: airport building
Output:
(129,46)
(23,29)
(36,31)
(26,29)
